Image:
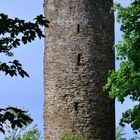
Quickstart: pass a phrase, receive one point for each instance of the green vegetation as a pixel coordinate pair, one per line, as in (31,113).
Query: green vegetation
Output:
(23,133)
(120,84)
(13,32)
(16,117)
(125,82)
(69,136)
(120,134)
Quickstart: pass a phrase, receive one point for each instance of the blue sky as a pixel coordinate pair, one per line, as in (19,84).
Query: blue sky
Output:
(28,92)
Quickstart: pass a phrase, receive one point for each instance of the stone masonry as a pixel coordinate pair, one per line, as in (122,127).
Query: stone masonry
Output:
(78,55)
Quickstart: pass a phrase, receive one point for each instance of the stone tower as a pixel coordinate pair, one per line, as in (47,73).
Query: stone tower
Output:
(78,55)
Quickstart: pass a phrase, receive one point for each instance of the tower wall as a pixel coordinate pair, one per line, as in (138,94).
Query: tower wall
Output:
(78,55)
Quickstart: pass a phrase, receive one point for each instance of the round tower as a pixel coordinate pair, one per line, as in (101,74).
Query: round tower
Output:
(78,55)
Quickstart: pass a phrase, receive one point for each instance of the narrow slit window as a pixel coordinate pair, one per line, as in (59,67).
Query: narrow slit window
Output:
(78,28)
(76,106)
(78,59)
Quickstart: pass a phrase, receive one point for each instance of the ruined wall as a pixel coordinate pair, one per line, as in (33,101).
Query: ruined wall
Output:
(78,55)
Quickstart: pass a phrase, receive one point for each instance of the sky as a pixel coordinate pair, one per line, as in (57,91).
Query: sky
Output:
(28,92)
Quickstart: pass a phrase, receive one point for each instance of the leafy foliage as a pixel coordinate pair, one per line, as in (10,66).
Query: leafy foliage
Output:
(31,135)
(13,32)
(72,137)
(120,134)
(16,117)
(14,69)
(125,82)
(132,116)
(23,133)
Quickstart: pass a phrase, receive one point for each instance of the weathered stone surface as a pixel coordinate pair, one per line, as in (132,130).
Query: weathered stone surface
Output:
(78,55)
